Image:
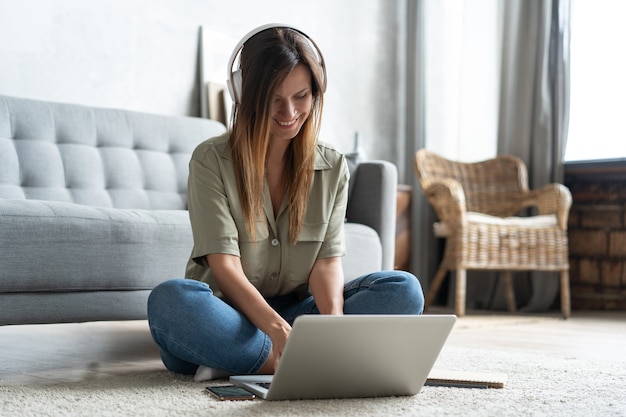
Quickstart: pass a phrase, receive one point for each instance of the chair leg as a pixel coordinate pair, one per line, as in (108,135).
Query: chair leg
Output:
(565,295)
(509,292)
(459,297)
(434,287)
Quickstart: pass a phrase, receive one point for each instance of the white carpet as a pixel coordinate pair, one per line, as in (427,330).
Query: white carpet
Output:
(538,384)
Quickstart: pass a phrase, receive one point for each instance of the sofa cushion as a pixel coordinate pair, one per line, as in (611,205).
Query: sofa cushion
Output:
(69,247)
(56,246)
(96,156)
(473,218)
(365,254)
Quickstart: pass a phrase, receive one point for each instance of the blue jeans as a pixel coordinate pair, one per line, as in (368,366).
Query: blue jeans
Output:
(193,327)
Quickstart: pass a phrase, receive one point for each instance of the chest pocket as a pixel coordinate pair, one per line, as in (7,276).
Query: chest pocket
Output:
(313,232)
(303,255)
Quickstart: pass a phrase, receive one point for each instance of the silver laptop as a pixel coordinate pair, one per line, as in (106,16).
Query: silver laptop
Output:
(353,356)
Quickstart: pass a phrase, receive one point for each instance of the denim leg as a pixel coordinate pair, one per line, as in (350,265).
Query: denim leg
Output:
(290,308)
(384,292)
(193,327)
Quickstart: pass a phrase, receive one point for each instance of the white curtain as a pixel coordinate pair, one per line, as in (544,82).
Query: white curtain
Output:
(534,103)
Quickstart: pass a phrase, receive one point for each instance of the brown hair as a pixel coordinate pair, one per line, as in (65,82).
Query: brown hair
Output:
(266,60)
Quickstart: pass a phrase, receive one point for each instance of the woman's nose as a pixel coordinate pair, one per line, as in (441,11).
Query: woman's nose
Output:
(288,108)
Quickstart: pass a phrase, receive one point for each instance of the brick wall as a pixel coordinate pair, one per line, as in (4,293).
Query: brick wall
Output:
(597,235)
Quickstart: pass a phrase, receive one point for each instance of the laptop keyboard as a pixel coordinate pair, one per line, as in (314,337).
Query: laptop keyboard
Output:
(265,385)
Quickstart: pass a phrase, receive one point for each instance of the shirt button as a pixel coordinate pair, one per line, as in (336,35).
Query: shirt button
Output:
(275,242)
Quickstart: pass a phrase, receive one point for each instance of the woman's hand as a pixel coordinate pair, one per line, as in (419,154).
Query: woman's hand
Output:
(278,335)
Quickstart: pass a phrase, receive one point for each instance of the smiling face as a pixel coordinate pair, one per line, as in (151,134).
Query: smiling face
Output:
(291,104)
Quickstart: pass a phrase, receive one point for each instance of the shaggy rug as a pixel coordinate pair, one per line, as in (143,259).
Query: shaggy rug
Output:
(540,383)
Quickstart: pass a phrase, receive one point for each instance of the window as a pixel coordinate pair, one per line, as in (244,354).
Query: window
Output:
(598,81)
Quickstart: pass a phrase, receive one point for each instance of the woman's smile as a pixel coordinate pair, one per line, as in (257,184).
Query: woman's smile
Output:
(288,123)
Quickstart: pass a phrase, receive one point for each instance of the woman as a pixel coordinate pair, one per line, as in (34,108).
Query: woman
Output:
(267,203)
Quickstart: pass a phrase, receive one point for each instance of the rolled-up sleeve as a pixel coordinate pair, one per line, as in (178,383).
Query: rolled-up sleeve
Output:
(213,226)
(334,239)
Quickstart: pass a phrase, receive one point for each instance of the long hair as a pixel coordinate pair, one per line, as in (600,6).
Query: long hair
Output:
(266,60)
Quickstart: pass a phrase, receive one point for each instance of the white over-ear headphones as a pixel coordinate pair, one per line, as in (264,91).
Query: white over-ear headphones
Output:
(234,76)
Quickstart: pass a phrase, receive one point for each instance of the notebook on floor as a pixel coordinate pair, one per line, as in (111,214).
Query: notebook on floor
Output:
(354,356)
(466,379)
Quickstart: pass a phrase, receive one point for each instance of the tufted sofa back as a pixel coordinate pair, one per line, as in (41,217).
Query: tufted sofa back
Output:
(96,156)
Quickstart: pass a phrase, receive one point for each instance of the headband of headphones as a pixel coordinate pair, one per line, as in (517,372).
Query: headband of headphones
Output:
(234,81)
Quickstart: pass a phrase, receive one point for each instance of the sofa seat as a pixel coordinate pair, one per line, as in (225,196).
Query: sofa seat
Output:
(104,248)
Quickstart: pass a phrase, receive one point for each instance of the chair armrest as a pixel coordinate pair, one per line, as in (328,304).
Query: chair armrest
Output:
(551,199)
(448,199)
(373,203)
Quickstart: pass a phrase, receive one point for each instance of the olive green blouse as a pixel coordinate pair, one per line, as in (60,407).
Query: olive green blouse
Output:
(271,264)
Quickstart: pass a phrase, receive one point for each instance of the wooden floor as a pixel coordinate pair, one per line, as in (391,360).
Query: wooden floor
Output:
(45,354)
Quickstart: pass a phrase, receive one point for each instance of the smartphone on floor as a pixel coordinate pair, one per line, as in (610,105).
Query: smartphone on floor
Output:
(230,392)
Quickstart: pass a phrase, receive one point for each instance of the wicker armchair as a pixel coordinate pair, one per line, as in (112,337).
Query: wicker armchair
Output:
(476,205)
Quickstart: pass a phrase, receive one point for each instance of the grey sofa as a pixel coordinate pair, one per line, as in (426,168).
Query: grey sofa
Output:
(93,210)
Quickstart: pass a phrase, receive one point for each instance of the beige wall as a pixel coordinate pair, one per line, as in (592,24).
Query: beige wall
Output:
(142,55)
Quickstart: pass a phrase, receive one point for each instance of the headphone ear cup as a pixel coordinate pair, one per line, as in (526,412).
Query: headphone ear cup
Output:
(235,86)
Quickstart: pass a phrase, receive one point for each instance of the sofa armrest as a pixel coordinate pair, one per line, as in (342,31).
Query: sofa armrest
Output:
(373,203)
